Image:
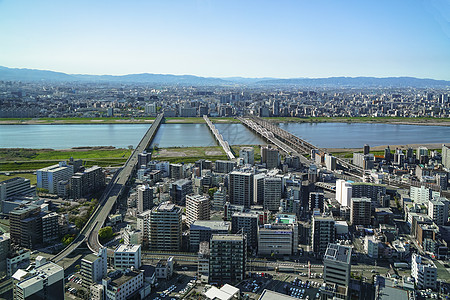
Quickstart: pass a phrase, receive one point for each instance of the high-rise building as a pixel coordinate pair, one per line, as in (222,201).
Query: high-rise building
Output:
(16,186)
(438,210)
(197,208)
(228,256)
(247,223)
(424,272)
(224,166)
(421,195)
(258,188)
(48,178)
(248,155)
(179,190)
(26,226)
(165,228)
(446,156)
(366,149)
(127,256)
(316,201)
(360,211)
(241,188)
(272,193)
(364,161)
(83,183)
(94,267)
(176,171)
(44,282)
(145,198)
(270,156)
(370,190)
(201,231)
(50,227)
(144,158)
(323,232)
(143,226)
(219,198)
(5,249)
(343,192)
(337,264)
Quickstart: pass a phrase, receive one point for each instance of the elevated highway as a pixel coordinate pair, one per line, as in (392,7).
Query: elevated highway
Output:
(114,190)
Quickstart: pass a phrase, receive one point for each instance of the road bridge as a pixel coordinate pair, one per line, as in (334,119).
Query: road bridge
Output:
(114,190)
(219,138)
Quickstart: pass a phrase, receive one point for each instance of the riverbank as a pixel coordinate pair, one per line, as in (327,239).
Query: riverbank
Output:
(224,120)
(115,120)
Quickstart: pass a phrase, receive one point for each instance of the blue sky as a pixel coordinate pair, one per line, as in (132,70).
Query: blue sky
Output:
(320,38)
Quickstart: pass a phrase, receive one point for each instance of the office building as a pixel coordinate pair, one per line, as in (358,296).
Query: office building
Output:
(125,284)
(241,188)
(337,264)
(48,178)
(322,233)
(438,210)
(272,193)
(248,155)
(365,161)
(224,166)
(16,186)
(179,190)
(127,256)
(26,226)
(270,157)
(94,267)
(145,198)
(197,208)
(228,256)
(165,228)
(277,239)
(246,223)
(424,272)
(316,201)
(360,211)
(343,192)
(44,282)
(201,231)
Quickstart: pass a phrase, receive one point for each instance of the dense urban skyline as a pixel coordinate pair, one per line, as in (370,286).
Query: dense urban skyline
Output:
(294,39)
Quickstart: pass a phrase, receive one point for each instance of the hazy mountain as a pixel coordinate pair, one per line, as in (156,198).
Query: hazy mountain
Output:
(358,82)
(10,74)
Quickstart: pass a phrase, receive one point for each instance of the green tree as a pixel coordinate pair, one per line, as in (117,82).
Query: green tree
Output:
(211,192)
(105,233)
(67,239)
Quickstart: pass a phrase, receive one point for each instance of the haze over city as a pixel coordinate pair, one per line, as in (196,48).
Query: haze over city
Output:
(285,39)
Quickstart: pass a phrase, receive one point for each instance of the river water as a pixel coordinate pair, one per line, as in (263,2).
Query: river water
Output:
(326,135)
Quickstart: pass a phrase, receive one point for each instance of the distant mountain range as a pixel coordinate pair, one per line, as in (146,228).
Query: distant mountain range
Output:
(29,75)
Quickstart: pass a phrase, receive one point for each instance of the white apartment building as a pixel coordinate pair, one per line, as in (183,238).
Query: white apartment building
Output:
(94,267)
(438,210)
(48,178)
(343,192)
(121,285)
(424,272)
(127,256)
(372,246)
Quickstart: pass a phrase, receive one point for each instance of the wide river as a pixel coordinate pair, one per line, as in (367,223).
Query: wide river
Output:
(326,135)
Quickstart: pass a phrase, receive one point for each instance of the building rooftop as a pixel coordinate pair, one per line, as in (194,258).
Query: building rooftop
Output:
(25,209)
(166,206)
(226,237)
(339,253)
(90,257)
(127,248)
(210,224)
(123,278)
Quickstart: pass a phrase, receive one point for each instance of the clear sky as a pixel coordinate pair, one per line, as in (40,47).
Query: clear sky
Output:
(277,38)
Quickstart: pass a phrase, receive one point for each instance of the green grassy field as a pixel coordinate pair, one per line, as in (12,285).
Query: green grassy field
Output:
(189,154)
(33,159)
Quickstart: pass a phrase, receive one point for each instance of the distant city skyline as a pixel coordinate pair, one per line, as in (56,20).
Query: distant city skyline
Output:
(287,39)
